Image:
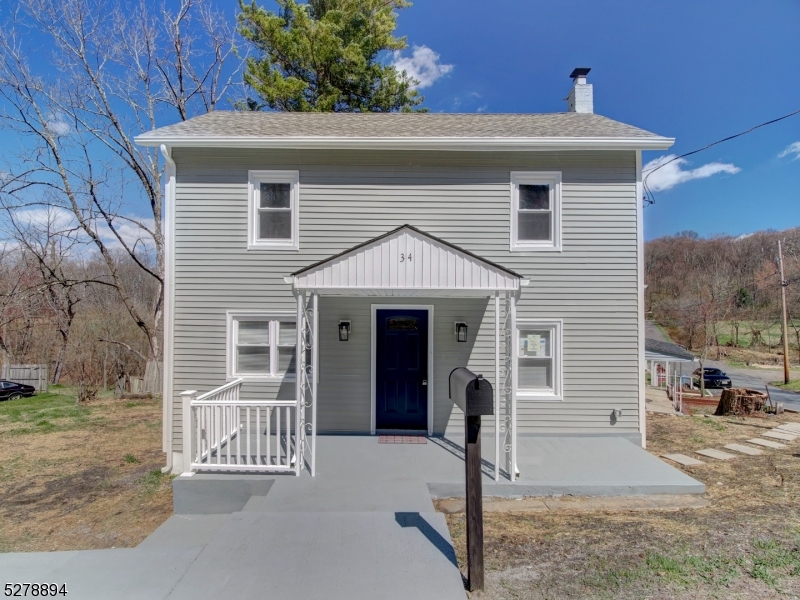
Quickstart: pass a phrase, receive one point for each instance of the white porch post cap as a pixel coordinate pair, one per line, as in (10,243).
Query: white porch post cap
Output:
(189,393)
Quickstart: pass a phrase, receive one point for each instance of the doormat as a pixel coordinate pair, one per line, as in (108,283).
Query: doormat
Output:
(402,439)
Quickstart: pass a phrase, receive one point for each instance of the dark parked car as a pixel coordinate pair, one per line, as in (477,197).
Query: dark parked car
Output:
(13,391)
(712,378)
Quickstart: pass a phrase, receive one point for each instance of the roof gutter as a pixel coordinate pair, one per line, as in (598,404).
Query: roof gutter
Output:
(472,144)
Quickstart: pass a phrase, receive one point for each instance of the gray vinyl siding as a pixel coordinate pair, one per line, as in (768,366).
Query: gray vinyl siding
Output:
(349,197)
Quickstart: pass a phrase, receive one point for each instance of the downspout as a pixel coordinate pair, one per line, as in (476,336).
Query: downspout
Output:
(169,302)
(640,287)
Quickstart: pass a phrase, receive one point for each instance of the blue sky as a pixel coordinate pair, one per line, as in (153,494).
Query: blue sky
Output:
(696,71)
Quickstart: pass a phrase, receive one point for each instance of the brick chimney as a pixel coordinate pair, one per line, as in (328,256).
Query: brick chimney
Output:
(580,99)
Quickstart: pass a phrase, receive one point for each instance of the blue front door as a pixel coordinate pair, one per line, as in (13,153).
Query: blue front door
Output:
(401,369)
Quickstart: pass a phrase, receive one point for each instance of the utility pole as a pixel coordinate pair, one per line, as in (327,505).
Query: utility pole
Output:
(783,318)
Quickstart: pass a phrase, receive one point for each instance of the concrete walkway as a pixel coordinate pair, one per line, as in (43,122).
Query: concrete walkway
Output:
(364,527)
(657,401)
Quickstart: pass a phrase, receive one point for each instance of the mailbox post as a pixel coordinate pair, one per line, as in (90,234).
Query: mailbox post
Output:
(473,395)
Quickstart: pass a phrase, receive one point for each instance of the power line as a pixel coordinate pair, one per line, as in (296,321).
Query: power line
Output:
(650,198)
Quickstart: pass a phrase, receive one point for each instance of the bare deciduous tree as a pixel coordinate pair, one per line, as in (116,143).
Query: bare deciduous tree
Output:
(105,72)
(696,286)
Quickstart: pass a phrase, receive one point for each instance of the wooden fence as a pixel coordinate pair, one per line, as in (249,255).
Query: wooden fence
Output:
(151,383)
(35,375)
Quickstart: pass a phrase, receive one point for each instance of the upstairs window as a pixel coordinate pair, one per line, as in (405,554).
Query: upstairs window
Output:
(535,211)
(274,201)
(261,345)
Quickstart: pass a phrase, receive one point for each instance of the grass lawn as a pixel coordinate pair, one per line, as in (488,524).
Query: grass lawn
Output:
(80,476)
(793,385)
(744,544)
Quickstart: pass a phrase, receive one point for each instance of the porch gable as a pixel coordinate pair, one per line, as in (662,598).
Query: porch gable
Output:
(406,262)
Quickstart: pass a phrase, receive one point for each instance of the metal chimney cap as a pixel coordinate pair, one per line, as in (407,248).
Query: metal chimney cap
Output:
(579,72)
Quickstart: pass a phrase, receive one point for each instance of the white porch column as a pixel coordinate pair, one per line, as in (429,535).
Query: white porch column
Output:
(314,380)
(300,366)
(497,386)
(514,350)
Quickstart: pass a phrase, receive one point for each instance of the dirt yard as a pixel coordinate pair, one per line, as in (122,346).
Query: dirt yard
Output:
(744,544)
(76,477)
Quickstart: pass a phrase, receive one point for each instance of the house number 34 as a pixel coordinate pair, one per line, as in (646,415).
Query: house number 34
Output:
(405,257)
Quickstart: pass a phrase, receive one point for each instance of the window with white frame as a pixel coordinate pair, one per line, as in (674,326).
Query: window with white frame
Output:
(274,204)
(536,210)
(539,359)
(261,345)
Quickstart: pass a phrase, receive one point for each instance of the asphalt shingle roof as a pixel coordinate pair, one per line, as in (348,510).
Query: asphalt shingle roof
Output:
(661,347)
(399,125)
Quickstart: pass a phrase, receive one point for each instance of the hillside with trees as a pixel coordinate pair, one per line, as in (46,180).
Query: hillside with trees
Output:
(721,296)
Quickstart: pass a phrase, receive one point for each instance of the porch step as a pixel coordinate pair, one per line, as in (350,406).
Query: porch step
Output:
(209,493)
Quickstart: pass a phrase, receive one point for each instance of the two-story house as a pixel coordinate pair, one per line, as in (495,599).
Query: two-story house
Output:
(326,272)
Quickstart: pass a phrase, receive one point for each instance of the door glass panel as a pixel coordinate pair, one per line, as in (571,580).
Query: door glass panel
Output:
(402,324)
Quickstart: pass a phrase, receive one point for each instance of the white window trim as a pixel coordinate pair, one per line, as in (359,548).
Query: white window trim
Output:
(557,326)
(254,179)
(230,347)
(553,179)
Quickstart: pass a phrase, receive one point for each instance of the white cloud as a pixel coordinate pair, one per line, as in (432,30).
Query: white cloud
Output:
(423,65)
(132,234)
(791,149)
(57,125)
(55,219)
(668,176)
(60,220)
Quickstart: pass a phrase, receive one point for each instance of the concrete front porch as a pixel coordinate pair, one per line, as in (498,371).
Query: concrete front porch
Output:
(356,473)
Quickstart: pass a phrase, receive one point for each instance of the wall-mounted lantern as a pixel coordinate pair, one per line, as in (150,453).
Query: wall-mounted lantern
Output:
(344,331)
(461,332)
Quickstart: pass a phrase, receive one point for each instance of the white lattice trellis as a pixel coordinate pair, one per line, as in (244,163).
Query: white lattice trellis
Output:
(307,366)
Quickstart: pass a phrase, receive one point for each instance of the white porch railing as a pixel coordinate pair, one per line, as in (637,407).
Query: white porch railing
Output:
(221,432)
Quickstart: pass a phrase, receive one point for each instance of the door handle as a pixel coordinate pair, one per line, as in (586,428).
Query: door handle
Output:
(424,382)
